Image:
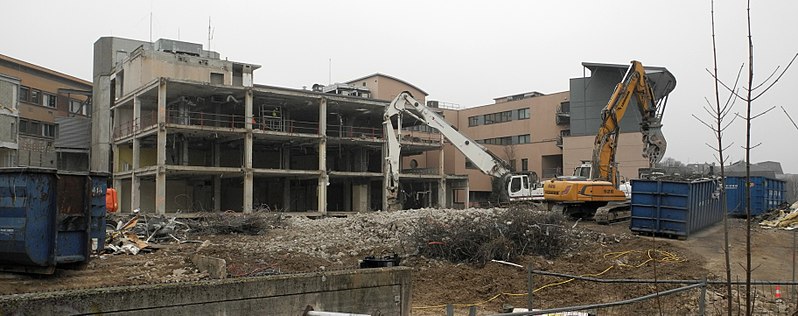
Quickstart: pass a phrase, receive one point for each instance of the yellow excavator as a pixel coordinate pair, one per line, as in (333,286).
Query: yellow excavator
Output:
(593,190)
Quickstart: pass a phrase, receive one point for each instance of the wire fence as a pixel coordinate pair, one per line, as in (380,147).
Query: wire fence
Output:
(665,297)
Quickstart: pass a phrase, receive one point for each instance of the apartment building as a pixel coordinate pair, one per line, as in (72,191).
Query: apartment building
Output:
(522,129)
(192,132)
(46,115)
(549,134)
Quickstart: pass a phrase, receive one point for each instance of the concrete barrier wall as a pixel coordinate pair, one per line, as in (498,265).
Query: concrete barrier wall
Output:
(383,291)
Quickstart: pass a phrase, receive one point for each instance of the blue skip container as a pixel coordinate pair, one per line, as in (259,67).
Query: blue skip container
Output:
(674,208)
(766,194)
(49,218)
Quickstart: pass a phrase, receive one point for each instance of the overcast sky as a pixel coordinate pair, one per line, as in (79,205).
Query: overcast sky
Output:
(464,52)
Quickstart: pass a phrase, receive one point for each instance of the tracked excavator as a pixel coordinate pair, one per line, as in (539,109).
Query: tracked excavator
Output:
(513,187)
(593,190)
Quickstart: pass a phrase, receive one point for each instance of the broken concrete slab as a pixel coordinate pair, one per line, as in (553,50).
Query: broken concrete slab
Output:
(215,267)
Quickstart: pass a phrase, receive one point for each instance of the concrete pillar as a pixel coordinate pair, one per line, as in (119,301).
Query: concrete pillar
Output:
(135,193)
(118,186)
(323,177)
(217,179)
(442,190)
(467,195)
(184,152)
(248,178)
(360,197)
(347,186)
(101,124)
(285,162)
(160,177)
(386,194)
(286,194)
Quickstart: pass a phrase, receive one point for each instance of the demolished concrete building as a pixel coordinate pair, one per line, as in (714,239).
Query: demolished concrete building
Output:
(187,131)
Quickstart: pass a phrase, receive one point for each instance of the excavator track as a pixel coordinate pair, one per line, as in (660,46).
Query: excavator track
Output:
(613,212)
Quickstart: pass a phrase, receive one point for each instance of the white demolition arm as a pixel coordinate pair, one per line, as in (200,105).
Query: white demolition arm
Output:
(483,159)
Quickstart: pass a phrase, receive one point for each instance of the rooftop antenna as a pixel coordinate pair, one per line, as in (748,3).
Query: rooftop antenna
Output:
(329,71)
(150,21)
(210,36)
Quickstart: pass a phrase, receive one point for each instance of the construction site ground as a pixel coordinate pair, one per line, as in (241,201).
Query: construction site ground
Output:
(298,244)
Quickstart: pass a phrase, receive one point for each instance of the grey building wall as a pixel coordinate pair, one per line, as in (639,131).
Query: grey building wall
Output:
(107,52)
(73,133)
(589,95)
(9,114)
(36,152)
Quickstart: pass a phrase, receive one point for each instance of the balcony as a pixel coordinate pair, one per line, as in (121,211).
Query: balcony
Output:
(563,133)
(563,116)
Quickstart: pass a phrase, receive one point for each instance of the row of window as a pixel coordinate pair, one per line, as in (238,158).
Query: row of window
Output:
(38,97)
(507,140)
(499,117)
(36,128)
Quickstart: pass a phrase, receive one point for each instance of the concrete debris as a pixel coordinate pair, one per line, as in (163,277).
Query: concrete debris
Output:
(785,218)
(215,268)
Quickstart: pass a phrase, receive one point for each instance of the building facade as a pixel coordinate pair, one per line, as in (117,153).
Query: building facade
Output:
(50,124)
(192,132)
(549,134)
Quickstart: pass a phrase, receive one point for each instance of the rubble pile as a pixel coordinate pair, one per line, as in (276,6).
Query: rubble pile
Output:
(785,218)
(507,235)
(361,234)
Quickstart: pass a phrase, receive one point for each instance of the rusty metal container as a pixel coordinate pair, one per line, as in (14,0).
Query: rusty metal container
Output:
(49,218)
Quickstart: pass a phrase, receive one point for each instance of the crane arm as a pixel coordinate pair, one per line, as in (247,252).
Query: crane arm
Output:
(404,103)
(633,83)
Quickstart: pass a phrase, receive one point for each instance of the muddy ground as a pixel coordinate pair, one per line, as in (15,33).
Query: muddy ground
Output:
(300,244)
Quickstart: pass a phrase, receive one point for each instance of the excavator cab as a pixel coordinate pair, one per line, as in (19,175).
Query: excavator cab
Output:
(518,186)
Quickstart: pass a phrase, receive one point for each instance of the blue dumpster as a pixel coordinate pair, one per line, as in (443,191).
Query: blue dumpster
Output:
(49,218)
(674,208)
(766,194)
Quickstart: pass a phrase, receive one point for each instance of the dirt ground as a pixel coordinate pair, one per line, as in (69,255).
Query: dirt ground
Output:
(335,243)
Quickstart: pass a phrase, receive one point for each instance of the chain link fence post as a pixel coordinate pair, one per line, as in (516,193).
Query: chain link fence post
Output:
(703,297)
(529,287)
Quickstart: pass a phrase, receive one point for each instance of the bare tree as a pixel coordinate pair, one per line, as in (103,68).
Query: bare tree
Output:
(718,113)
(749,97)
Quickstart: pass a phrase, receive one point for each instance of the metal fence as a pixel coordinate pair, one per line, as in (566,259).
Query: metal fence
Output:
(666,297)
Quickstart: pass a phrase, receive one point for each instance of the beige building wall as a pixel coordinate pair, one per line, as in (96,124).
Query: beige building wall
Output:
(541,126)
(140,70)
(384,87)
(46,81)
(629,154)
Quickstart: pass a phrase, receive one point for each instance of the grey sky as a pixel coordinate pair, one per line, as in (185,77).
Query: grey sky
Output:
(465,52)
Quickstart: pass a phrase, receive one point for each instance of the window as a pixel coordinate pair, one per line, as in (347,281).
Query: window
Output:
(24,93)
(524,164)
(48,130)
(50,100)
(470,165)
(473,121)
(39,129)
(512,164)
(217,78)
(75,106)
(34,128)
(499,117)
(23,126)
(36,97)
(523,139)
(515,185)
(523,114)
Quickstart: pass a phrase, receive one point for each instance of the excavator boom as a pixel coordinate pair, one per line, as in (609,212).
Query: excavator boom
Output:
(583,196)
